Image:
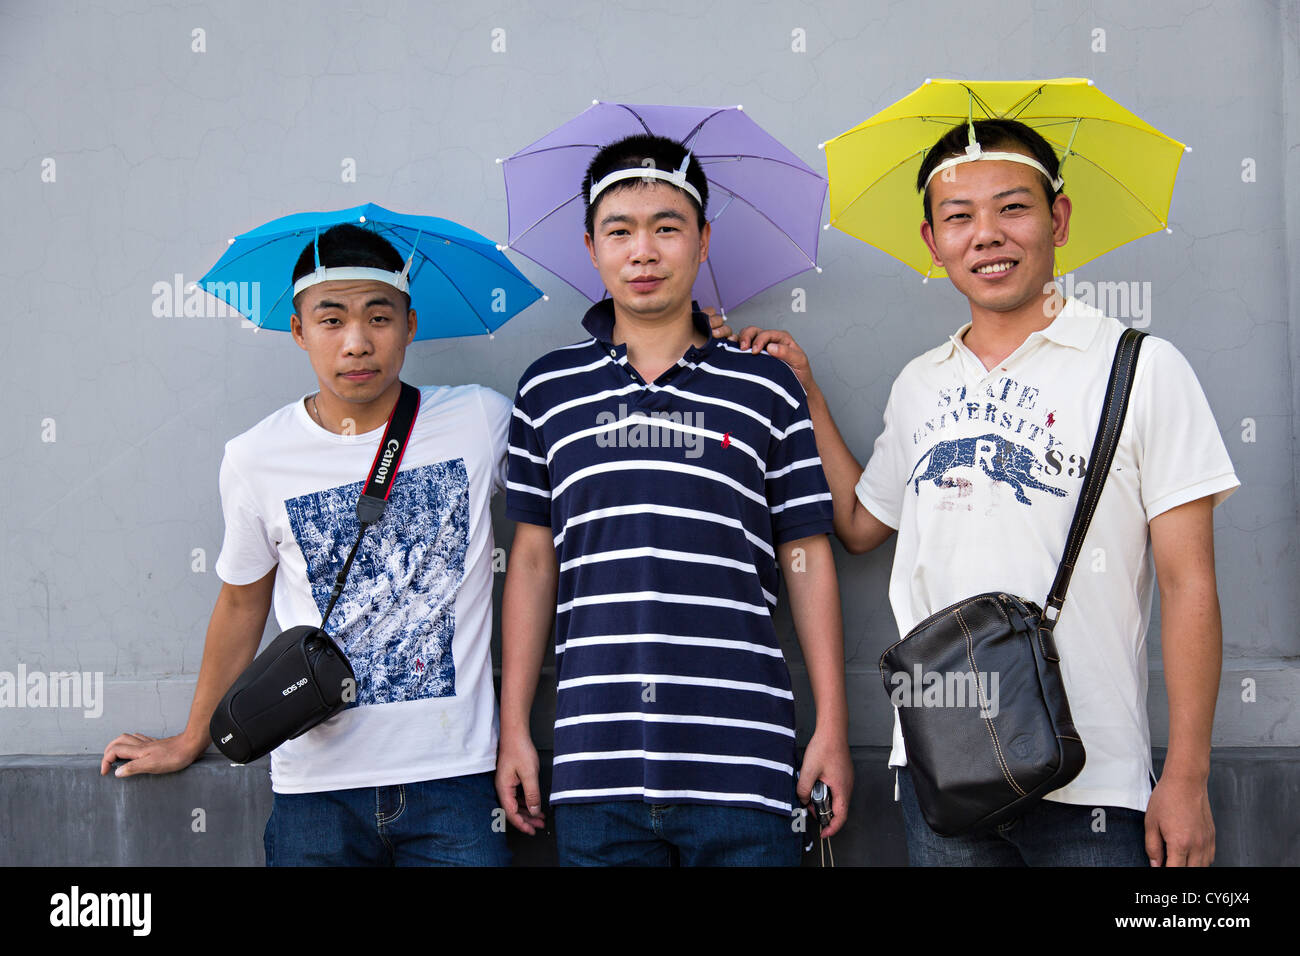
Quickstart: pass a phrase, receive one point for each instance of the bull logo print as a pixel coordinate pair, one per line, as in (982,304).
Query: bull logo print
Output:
(1000,459)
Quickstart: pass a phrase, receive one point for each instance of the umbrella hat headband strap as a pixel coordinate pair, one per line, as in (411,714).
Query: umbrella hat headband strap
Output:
(331,273)
(398,280)
(677,177)
(975,152)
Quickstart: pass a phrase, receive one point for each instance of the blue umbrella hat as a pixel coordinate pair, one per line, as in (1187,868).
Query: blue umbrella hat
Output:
(458,281)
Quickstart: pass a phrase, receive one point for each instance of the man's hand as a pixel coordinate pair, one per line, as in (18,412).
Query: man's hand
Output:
(233,635)
(517,766)
(527,619)
(781,345)
(150,755)
(815,609)
(718,323)
(827,759)
(1180,828)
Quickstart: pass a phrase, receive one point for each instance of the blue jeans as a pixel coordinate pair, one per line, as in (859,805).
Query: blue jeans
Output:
(1048,834)
(449,822)
(634,833)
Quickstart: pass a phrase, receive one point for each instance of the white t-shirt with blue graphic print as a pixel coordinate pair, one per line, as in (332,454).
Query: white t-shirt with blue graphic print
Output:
(415,618)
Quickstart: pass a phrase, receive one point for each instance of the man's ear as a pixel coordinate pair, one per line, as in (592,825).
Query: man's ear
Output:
(704,240)
(591,248)
(410,326)
(927,234)
(295,327)
(1061,209)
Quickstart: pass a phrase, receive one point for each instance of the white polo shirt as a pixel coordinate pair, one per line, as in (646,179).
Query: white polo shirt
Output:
(979,470)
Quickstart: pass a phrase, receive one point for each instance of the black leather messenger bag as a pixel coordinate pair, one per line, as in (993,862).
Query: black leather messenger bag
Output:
(303,677)
(981,761)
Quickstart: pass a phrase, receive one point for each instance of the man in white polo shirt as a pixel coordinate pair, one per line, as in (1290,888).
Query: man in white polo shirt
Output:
(982,457)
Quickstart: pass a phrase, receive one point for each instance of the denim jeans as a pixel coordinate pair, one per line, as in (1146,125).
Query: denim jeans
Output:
(634,833)
(1048,834)
(447,822)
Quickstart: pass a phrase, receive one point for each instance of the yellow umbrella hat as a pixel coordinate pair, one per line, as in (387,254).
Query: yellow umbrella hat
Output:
(1119,170)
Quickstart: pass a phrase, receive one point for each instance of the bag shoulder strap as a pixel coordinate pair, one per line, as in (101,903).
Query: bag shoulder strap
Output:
(1103,452)
(379,483)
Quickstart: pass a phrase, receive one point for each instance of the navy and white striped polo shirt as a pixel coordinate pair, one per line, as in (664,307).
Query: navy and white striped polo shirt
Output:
(666,501)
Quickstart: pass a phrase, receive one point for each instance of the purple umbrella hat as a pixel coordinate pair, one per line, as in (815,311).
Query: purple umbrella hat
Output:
(765,203)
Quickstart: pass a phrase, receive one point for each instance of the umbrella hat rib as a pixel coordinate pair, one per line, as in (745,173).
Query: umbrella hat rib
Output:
(464,298)
(713,279)
(768,219)
(715,158)
(527,153)
(541,219)
(274,305)
(637,116)
(869,186)
(1120,183)
(689,137)
(479,249)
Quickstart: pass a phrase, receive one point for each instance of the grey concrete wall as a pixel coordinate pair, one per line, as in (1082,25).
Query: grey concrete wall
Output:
(159,153)
(214,813)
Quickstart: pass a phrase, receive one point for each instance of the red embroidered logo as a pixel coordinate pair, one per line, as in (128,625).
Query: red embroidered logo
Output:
(419,664)
(1051,419)
(726,439)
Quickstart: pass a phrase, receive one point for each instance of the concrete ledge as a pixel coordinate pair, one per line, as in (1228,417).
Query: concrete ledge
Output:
(58,811)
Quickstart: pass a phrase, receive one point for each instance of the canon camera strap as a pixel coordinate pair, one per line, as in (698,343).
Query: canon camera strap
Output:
(374,496)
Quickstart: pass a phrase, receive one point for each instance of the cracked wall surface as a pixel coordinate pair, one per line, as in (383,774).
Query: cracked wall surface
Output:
(159,153)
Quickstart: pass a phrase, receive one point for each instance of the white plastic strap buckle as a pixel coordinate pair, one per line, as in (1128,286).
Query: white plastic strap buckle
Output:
(976,152)
(677,178)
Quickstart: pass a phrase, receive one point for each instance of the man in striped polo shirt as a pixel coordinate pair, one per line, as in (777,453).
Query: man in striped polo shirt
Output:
(663,482)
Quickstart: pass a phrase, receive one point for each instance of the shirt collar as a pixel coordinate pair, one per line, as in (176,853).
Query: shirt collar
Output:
(599,323)
(1073,327)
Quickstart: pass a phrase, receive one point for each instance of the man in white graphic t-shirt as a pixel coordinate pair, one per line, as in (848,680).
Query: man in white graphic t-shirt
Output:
(978,469)
(404,774)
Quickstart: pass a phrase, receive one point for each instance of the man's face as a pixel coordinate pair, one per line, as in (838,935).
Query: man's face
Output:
(995,233)
(355,334)
(647,247)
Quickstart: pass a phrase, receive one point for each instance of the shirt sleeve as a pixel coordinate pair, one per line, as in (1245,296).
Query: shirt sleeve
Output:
(247,552)
(496,409)
(797,494)
(1180,453)
(884,480)
(528,479)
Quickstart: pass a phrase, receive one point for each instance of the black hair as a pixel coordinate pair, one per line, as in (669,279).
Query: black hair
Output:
(348,244)
(633,151)
(991,134)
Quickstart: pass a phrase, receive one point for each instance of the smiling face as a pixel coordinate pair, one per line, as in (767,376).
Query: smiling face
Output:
(647,246)
(355,334)
(995,234)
